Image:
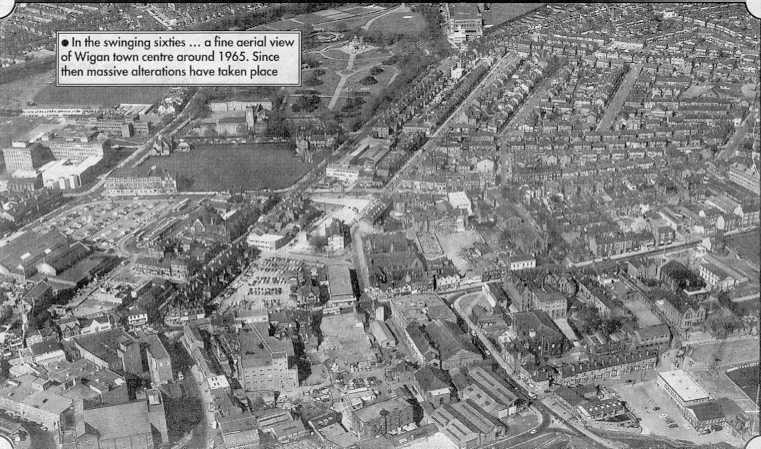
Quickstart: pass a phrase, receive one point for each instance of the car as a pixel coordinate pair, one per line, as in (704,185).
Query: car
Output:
(533,431)
(656,408)
(673,425)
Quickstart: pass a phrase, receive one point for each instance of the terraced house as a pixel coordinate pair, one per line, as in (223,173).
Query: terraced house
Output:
(608,366)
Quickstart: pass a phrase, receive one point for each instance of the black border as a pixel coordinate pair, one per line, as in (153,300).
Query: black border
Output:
(174,84)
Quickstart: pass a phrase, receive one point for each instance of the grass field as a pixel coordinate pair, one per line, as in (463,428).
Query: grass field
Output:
(17,94)
(746,379)
(501,12)
(405,23)
(747,245)
(727,352)
(100,95)
(222,167)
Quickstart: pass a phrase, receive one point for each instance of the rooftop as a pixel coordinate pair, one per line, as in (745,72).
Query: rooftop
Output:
(373,411)
(119,421)
(684,386)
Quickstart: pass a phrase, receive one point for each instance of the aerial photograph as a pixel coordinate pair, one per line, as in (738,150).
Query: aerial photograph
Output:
(469,226)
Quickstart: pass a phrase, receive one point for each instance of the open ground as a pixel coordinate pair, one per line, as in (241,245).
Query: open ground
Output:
(642,398)
(223,167)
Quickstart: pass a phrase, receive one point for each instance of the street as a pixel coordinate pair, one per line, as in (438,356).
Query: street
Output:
(390,186)
(206,400)
(542,404)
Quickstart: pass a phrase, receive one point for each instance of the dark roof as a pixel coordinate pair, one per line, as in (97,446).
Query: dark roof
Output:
(45,346)
(537,320)
(119,421)
(657,330)
(449,339)
(30,242)
(680,303)
(238,429)
(39,290)
(418,339)
(605,361)
(66,256)
(156,348)
(432,378)
(104,344)
(498,292)
(707,411)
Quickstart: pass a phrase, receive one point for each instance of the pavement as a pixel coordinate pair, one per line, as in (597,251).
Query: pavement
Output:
(617,102)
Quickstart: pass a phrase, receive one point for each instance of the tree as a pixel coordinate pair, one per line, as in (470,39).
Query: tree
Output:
(368,81)
(318,242)
(313,81)
(6,312)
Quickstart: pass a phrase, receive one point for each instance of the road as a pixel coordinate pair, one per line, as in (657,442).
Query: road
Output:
(542,404)
(142,151)
(344,75)
(358,256)
(206,401)
(529,104)
(736,139)
(646,252)
(661,250)
(617,102)
(401,8)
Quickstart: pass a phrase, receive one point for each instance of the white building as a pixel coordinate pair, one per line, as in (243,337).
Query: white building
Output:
(520,261)
(233,105)
(342,172)
(682,388)
(463,22)
(266,242)
(59,111)
(66,174)
(218,382)
(460,200)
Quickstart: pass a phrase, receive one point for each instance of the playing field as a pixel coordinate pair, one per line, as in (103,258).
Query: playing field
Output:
(18,93)
(747,245)
(100,95)
(501,12)
(210,168)
(407,23)
(746,379)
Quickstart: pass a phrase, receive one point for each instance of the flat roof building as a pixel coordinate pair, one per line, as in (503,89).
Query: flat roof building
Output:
(339,285)
(463,22)
(682,388)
